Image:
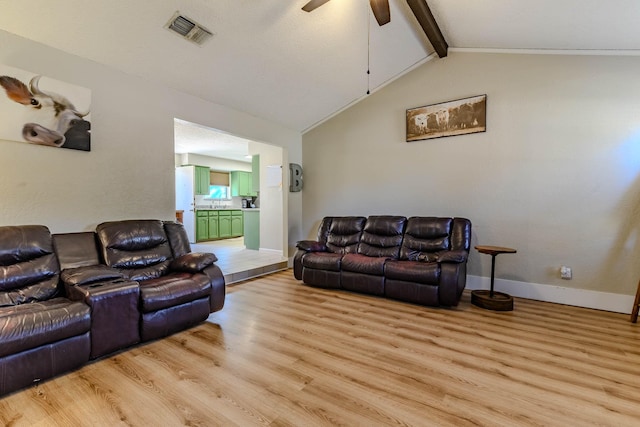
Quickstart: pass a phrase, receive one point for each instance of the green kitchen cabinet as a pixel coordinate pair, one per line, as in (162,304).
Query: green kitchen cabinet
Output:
(202,179)
(213,222)
(237,226)
(241,184)
(255,175)
(224,224)
(218,224)
(202,226)
(245,183)
(252,229)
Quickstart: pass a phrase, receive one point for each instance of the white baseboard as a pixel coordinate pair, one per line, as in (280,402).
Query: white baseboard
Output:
(570,296)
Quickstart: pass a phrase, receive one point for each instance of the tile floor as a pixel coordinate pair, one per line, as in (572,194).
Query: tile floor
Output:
(238,263)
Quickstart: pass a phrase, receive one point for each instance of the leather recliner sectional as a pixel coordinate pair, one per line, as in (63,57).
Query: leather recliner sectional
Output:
(68,298)
(420,260)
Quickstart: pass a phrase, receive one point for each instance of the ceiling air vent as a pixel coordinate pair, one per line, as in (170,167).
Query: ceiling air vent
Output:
(188,29)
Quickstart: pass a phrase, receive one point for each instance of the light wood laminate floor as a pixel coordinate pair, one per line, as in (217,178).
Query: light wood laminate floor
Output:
(284,354)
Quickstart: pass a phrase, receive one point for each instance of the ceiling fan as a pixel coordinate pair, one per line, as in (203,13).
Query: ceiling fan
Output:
(380,9)
(419,8)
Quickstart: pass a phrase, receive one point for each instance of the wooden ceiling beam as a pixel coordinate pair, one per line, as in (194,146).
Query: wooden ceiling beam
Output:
(429,25)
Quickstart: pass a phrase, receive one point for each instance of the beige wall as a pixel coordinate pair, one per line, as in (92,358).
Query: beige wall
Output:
(556,175)
(129,172)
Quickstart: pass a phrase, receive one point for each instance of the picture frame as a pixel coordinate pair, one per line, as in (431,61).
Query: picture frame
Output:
(37,109)
(458,117)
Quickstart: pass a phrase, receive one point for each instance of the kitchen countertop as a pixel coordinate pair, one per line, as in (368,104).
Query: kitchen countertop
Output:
(229,209)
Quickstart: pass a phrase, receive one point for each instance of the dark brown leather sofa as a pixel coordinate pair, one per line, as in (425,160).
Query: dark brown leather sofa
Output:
(72,297)
(176,291)
(420,259)
(42,333)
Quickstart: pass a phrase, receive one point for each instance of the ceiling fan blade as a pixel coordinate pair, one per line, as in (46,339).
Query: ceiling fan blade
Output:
(313,4)
(380,10)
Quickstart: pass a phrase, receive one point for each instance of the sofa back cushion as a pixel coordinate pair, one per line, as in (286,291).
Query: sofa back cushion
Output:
(425,236)
(344,233)
(461,234)
(323,229)
(382,236)
(29,269)
(140,249)
(76,249)
(178,239)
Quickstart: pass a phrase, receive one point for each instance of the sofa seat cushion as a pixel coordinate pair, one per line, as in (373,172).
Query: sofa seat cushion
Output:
(27,326)
(322,261)
(173,289)
(427,273)
(358,263)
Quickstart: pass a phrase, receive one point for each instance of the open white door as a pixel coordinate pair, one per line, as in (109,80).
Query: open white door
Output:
(185,201)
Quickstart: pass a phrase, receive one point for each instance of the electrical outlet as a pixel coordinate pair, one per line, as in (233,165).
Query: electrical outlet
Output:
(565,272)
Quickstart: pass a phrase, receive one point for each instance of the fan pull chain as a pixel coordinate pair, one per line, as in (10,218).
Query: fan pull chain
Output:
(368,52)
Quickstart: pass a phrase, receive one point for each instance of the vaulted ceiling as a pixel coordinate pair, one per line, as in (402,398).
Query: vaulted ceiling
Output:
(273,60)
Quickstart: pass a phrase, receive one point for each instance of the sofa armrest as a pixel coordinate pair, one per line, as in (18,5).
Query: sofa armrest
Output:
(218,288)
(311,246)
(453,256)
(89,274)
(453,278)
(193,262)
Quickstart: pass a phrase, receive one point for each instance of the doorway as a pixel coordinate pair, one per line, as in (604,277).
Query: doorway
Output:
(201,147)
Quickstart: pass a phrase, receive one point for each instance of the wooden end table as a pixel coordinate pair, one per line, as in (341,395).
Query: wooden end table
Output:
(491,299)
